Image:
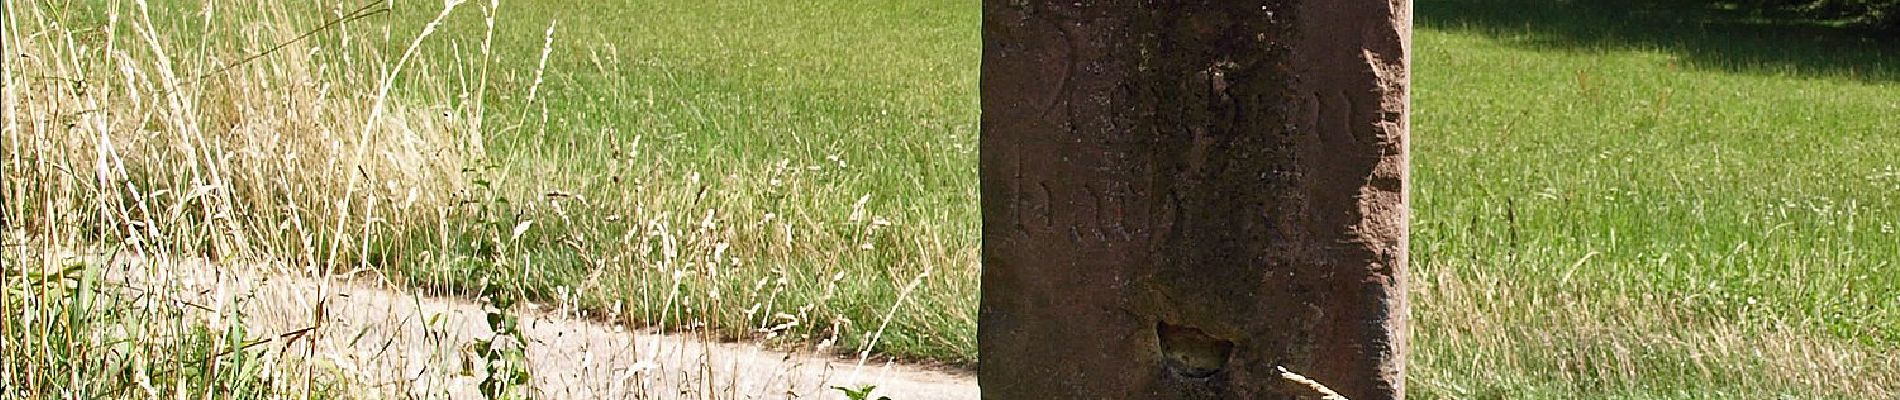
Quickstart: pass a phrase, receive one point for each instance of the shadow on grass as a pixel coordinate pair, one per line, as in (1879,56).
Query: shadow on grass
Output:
(1704,36)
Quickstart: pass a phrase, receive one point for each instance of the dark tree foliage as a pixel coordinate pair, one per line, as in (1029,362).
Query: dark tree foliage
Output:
(1884,14)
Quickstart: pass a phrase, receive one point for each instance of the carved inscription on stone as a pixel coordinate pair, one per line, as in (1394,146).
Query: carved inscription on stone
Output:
(1180,196)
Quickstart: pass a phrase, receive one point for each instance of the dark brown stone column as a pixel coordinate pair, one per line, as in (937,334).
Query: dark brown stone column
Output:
(1179,196)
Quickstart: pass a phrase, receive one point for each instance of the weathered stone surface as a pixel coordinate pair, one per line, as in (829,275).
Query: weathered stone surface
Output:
(1179,196)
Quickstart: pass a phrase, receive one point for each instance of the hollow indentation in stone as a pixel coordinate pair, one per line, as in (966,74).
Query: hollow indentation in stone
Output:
(1190,352)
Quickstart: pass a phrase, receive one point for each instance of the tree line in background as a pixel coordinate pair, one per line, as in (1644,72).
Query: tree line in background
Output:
(1883,14)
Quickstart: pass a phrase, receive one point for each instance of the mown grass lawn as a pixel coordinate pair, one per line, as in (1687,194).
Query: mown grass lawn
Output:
(1610,200)
(1660,186)
(1636,188)
(1599,193)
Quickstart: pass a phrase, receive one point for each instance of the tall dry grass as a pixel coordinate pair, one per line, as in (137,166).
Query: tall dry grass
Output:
(141,138)
(169,134)
(1550,342)
(238,132)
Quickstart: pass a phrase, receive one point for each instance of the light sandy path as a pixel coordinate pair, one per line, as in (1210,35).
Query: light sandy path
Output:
(402,344)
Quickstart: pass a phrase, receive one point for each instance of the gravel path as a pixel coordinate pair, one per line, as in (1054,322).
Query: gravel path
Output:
(403,344)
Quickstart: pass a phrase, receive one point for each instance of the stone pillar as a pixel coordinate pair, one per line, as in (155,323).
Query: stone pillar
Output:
(1180,196)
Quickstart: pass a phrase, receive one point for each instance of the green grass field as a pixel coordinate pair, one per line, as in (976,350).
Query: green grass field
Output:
(1633,205)
(1610,201)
